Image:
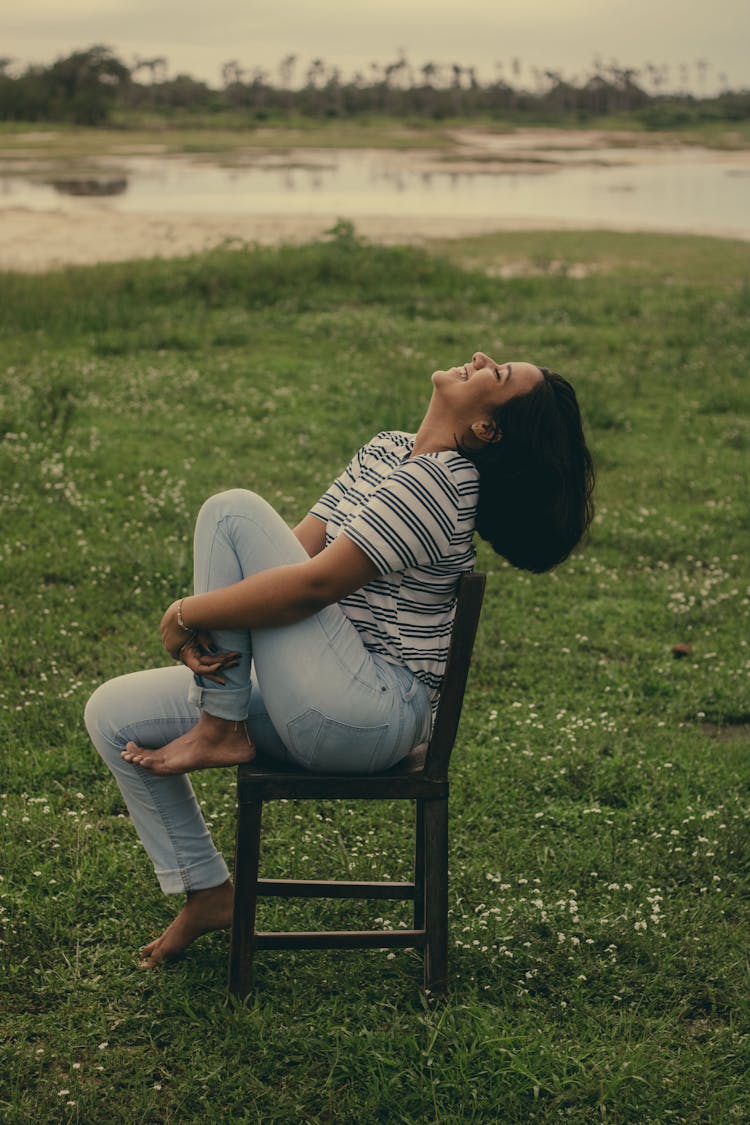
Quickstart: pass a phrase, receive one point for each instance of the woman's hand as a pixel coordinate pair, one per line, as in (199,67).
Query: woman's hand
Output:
(194,649)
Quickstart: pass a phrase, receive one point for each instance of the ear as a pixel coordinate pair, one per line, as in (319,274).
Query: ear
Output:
(486,431)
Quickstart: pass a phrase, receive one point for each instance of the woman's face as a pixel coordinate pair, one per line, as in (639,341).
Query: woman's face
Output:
(475,390)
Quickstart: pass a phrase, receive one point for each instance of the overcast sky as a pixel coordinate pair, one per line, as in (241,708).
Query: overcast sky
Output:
(197,36)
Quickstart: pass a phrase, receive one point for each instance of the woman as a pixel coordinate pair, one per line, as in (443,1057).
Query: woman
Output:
(326,645)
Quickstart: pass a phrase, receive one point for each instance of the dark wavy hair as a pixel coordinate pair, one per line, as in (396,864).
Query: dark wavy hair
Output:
(536,483)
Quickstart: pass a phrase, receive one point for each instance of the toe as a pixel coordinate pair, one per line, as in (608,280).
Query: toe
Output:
(151,955)
(132,752)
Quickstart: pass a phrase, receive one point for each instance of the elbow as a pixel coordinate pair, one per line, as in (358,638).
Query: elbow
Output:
(319,593)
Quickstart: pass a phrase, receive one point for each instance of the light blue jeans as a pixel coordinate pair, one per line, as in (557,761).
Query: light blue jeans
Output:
(311,693)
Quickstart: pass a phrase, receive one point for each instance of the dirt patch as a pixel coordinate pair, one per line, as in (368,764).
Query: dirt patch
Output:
(730,730)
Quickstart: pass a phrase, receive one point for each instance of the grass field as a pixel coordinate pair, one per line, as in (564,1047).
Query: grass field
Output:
(599,847)
(222,136)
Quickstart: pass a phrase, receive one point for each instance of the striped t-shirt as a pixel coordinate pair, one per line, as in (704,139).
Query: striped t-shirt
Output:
(414,518)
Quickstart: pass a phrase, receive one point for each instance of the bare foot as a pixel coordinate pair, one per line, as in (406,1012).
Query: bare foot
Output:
(212,742)
(203,911)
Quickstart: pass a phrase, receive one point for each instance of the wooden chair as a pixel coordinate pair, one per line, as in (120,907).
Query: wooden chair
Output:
(421,777)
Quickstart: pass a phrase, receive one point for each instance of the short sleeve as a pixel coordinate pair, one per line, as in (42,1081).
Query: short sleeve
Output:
(411,518)
(326,506)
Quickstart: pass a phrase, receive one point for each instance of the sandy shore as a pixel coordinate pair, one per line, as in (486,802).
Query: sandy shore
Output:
(34,241)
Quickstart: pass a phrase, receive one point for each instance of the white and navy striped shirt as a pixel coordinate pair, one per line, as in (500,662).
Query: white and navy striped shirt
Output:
(414,518)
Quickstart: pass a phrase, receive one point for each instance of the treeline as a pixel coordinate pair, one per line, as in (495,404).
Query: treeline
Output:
(89,86)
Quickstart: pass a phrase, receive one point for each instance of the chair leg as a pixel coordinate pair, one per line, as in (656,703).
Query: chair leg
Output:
(419,864)
(436,894)
(246,861)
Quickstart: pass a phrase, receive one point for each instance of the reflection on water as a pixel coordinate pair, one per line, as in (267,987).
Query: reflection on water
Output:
(90,187)
(677,189)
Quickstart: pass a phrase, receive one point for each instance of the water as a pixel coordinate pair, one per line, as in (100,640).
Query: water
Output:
(676,189)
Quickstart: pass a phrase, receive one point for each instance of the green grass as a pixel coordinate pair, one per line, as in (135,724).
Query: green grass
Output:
(599,847)
(225,134)
(216,135)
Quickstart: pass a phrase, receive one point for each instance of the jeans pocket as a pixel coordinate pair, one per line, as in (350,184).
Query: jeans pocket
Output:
(320,743)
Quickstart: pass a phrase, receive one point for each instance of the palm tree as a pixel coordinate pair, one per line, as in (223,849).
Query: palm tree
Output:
(232,73)
(286,70)
(315,73)
(701,70)
(429,70)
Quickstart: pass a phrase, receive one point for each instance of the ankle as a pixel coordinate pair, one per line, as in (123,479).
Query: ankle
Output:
(205,894)
(207,891)
(217,727)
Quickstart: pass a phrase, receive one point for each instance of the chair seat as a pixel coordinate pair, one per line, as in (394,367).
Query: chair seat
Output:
(266,779)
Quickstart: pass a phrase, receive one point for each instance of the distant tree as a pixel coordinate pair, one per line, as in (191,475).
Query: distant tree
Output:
(232,73)
(286,71)
(185,93)
(83,87)
(315,76)
(334,95)
(286,78)
(156,68)
(259,89)
(86,85)
(429,71)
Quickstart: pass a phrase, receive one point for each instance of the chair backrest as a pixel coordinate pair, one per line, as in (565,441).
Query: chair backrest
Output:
(468,606)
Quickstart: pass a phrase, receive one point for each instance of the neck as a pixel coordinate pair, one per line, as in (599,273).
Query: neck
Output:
(436,432)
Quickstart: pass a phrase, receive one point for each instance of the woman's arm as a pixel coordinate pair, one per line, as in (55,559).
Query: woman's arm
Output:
(281,595)
(311,533)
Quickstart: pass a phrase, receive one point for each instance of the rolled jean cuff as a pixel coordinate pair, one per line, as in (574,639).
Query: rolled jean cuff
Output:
(197,877)
(221,702)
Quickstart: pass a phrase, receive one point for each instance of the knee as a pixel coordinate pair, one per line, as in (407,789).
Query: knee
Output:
(97,716)
(231,502)
(92,711)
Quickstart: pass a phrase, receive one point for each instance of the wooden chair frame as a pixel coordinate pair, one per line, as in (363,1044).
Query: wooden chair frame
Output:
(421,777)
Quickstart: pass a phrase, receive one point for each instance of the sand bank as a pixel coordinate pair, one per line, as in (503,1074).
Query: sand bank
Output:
(34,241)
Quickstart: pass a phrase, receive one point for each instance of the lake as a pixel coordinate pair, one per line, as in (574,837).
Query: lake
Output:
(493,177)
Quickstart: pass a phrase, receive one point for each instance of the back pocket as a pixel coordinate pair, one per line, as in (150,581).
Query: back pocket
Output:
(320,743)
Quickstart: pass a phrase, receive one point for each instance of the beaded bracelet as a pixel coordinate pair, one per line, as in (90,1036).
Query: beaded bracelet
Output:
(180,621)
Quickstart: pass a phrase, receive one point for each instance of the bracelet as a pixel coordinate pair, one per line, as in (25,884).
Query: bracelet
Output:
(180,621)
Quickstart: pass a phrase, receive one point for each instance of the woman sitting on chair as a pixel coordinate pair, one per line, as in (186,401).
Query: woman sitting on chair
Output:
(326,645)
